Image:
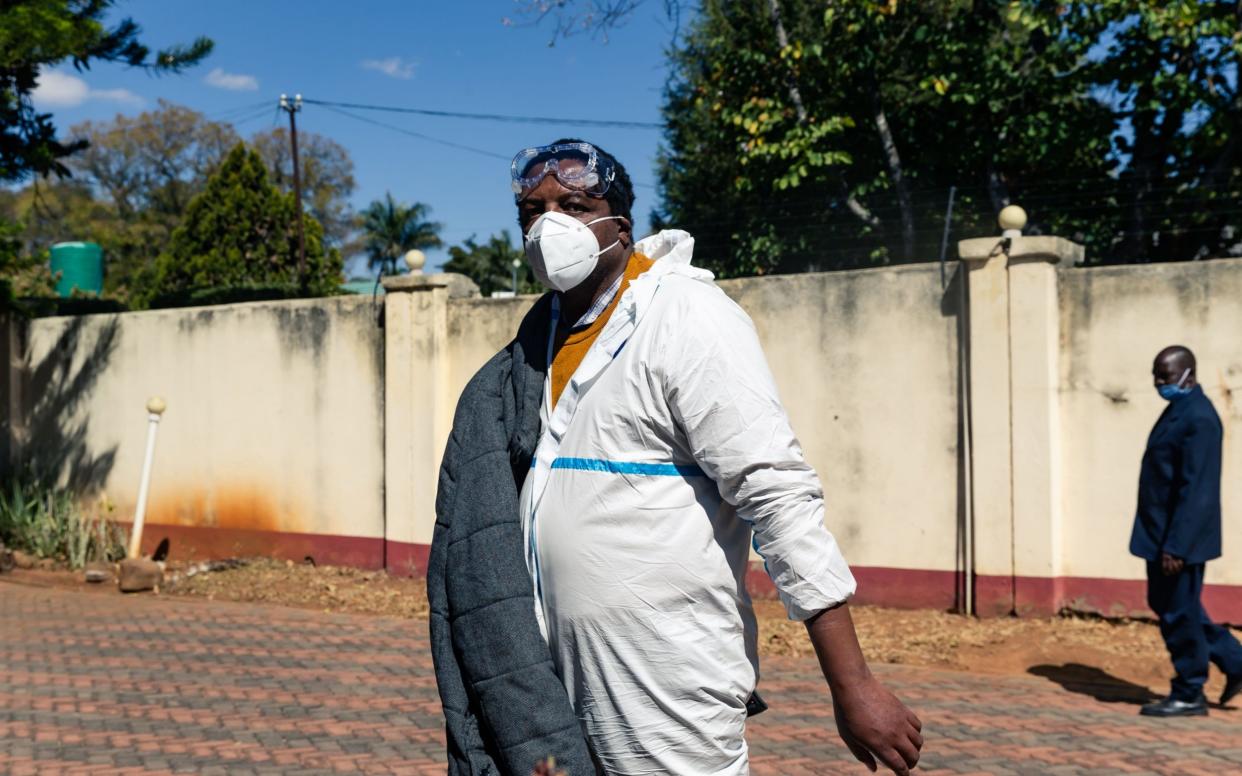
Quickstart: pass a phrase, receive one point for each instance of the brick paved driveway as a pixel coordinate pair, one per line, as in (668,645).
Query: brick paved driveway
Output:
(95,683)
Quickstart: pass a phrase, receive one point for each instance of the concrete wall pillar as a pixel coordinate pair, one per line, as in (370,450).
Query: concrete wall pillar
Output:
(418,409)
(1016,463)
(1034,345)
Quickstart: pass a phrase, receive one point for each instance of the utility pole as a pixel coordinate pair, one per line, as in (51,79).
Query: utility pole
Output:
(292,107)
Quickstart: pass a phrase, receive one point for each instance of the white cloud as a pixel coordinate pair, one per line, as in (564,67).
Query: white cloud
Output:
(62,90)
(117,95)
(234,82)
(396,67)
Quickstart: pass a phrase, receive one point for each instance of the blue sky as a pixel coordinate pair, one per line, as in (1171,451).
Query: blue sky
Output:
(442,56)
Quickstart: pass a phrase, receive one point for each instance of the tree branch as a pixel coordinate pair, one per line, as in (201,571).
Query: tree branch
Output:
(896,173)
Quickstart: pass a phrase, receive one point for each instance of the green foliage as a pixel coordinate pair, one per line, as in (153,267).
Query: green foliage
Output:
(1171,73)
(837,149)
(327,174)
(490,265)
(138,176)
(391,228)
(21,274)
(804,135)
(240,233)
(38,34)
(132,184)
(47,522)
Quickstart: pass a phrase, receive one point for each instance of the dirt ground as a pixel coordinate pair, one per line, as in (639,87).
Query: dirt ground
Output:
(1122,658)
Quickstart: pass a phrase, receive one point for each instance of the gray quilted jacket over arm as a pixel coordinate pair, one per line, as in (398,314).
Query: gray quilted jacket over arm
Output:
(504,706)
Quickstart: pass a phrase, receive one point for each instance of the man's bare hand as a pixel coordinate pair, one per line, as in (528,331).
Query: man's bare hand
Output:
(877,727)
(873,723)
(1170,564)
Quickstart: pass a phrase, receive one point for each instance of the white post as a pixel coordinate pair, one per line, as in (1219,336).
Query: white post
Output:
(155,408)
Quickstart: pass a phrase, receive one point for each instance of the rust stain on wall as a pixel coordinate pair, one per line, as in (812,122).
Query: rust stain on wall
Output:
(231,505)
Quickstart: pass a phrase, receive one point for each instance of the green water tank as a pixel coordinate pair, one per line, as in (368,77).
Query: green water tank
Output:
(80,265)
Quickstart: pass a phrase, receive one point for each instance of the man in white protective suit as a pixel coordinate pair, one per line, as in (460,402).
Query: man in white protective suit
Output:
(663,454)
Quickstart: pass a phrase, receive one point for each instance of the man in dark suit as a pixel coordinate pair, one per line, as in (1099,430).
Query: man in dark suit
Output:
(1177,530)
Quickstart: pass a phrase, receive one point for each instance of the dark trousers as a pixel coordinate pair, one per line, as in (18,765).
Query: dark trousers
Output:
(1192,638)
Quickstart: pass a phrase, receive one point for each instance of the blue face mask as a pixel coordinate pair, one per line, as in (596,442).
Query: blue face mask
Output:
(1171,391)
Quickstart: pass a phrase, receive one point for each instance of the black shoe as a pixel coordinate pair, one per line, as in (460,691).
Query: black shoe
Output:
(1233,686)
(1171,707)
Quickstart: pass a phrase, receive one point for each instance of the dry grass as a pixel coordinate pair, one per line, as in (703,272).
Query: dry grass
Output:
(328,588)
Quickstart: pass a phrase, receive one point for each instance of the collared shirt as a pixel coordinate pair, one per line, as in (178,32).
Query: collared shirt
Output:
(600,304)
(572,345)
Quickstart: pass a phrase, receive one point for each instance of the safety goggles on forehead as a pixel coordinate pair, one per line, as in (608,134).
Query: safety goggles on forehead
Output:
(575,165)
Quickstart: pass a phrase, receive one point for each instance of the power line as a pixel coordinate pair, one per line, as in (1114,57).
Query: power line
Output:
(428,138)
(411,133)
(227,114)
(260,113)
(491,116)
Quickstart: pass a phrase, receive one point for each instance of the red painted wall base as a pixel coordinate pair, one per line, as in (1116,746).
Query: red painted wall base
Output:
(998,596)
(995,596)
(408,560)
(193,542)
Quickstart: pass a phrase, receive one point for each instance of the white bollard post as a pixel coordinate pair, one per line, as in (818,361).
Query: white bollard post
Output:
(155,408)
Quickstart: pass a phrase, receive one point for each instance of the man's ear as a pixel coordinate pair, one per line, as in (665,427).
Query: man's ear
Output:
(626,232)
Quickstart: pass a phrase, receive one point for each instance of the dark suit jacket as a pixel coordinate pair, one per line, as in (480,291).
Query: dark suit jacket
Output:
(1179,486)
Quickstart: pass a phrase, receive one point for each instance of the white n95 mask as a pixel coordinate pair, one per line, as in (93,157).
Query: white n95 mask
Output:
(562,251)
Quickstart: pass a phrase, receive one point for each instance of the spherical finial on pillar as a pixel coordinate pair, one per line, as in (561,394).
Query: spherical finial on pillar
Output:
(156,405)
(1012,220)
(415,259)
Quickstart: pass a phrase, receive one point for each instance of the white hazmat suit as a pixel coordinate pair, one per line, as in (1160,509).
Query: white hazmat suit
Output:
(666,453)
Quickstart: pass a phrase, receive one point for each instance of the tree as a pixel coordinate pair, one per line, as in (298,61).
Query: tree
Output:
(53,212)
(141,174)
(571,17)
(38,34)
(491,265)
(144,170)
(153,163)
(1172,72)
(830,137)
(391,229)
(805,135)
(21,274)
(239,234)
(327,174)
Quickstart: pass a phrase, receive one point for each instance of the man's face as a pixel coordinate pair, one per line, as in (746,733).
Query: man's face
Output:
(551,195)
(1165,371)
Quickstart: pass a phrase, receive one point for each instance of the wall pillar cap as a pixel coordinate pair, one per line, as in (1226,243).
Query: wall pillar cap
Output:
(459,286)
(980,248)
(1026,249)
(1047,248)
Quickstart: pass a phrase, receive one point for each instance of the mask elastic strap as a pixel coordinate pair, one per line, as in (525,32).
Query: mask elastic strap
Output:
(602,251)
(1181,380)
(605,218)
(615,242)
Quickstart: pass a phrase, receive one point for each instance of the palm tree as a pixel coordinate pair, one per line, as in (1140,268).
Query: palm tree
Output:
(392,228)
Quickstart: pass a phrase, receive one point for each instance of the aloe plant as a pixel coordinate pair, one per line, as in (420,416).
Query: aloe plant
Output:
(47,522)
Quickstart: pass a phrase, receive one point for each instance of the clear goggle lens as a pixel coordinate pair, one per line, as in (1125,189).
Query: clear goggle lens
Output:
(575,165)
